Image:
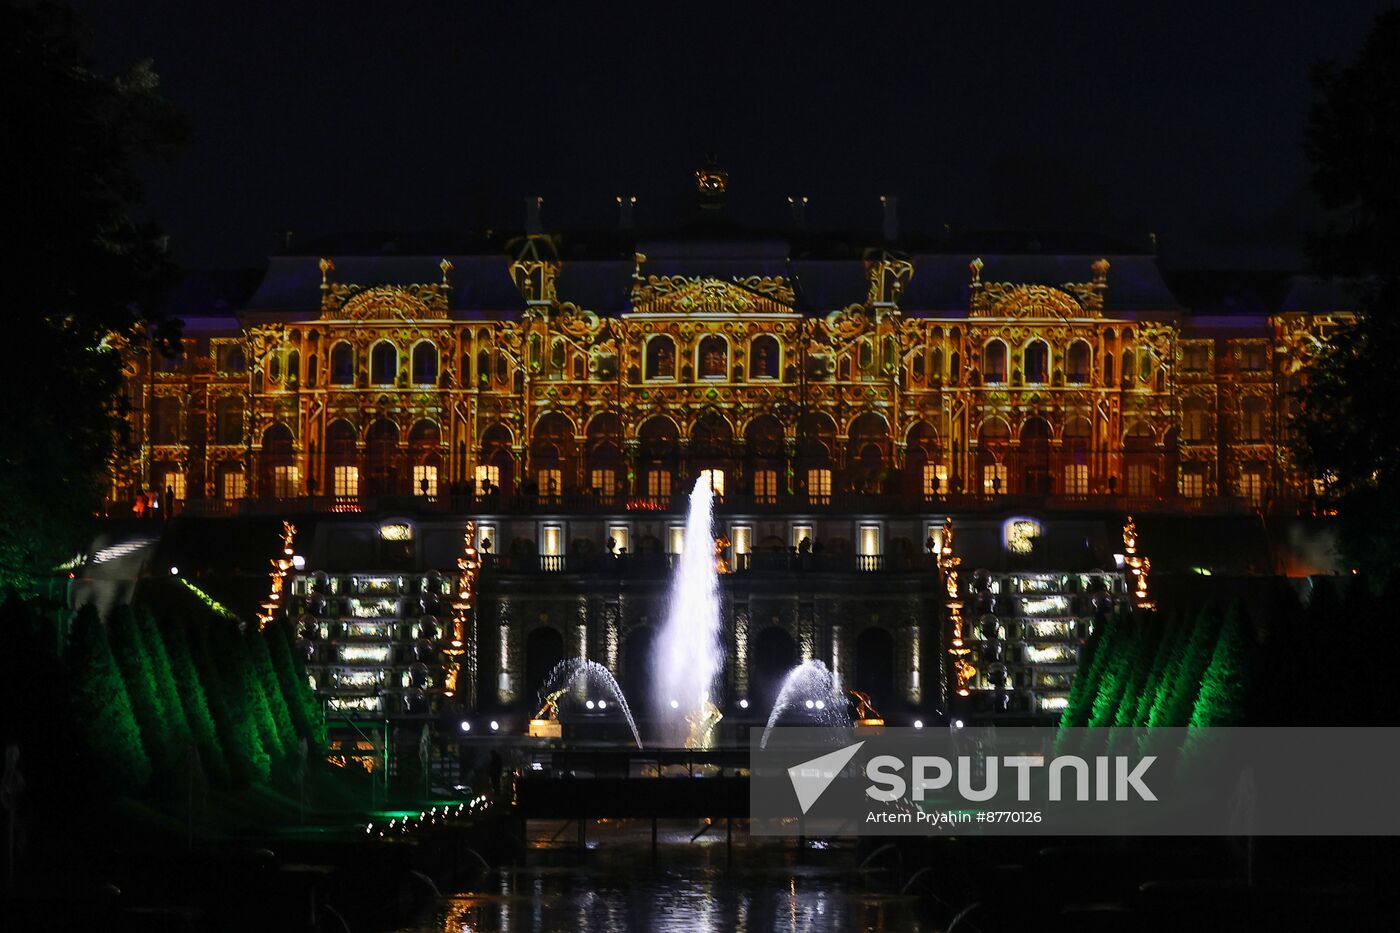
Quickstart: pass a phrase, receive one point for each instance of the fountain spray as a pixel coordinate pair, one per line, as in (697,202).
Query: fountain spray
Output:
(688,656)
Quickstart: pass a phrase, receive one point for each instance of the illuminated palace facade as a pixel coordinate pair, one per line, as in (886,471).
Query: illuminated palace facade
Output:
(842,404)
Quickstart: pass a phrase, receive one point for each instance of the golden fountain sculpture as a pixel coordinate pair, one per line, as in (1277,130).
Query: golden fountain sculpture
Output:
(545,723)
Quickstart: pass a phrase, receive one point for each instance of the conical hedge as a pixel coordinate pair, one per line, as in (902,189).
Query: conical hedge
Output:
(103,717)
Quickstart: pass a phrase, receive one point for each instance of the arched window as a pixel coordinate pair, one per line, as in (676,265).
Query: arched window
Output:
(342,365)
(384,364)
(1129,368)
(313,370)
(955,368)
(425,364)
(935,365)
(293,368)
(765,357)
(1077,362)
(994,361)
(661,358)
(1108,369)
(1037,362)
(712,358)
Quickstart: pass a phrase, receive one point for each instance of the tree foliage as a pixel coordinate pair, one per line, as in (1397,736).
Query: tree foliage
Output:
(1344,433)
(85,273)
(106,727)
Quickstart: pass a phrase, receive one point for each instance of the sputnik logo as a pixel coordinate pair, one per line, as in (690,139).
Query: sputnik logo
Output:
(810,779)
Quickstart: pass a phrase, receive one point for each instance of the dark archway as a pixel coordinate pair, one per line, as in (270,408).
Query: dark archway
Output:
(544,649)
(772,653)
(874,673)
(636,669)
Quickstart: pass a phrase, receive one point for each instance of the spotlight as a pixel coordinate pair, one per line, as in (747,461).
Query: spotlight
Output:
(675,704)
(495,726)
(174,571)
(918,724)
(298,562)
(957,723)
(808,703)
(821,704)
(602,704)
(743,704)
(590,704)
(465,726)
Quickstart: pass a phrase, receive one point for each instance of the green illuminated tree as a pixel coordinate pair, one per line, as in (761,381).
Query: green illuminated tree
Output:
(1092,661)
(305,709)
(92,273)
(105,725)
(203,729)
(249,762)
(1181,683)
(176,720)
(133,660)
(1221,700)
(1168,646)
(1144,655)
(260,663)
(1116,673)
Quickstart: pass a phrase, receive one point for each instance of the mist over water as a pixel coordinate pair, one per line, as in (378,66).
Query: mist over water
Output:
(688,657)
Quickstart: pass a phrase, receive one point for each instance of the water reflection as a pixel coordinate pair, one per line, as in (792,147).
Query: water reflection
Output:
(617,887)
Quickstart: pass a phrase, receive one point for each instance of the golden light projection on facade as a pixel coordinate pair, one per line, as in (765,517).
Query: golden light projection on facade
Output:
(1014,387)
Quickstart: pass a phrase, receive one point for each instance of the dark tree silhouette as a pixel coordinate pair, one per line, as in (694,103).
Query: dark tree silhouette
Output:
(1345,435)
(91,274)
(105,725)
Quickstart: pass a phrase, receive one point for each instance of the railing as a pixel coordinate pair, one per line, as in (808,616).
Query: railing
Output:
(788,503)
(660,565)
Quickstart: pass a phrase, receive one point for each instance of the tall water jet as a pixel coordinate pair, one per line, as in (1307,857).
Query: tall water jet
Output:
(688,657)
(811,688)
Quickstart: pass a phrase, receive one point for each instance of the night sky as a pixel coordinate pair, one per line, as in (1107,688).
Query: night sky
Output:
(1182,118)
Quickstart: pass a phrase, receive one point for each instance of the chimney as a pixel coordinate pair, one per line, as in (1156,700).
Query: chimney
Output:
(532,214)
(891,205)
(625,203)
(799,211)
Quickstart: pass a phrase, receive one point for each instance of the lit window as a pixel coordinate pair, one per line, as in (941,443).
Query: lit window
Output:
(658,483)
(488,475)
(1193,484)
(551,482)
(868,541)
(993,478)
(622,537)
(345,481)
(765,486)
(552,540)
(233,485)
(174,480)
(715,479)
(741,538)
(675,539)
(1076,479)
(935,479)
(1253,357)
(485,537)
(604,482)
(1140,480)
(801,533)
(286,482)
(1020,535)
(934,532)
(1252,485)
(1195,358)
(819,486)
(425,473)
